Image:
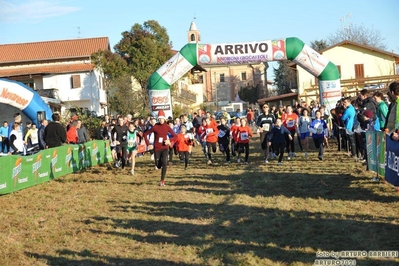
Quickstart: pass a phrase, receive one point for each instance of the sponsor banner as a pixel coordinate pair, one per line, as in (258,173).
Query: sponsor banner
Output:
(381,142)
(375,145)
(160,100)
(15,95)
(371,145)
(18,172)
(174,68)
(330,93)
(241,53)
(6,169)
(311,61)
(392,162)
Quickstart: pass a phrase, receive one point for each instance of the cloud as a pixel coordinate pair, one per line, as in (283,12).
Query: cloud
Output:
(32,10)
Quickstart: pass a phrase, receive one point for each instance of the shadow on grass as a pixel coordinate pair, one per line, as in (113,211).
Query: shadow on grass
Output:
(68,257)
(300,185)
(266,233)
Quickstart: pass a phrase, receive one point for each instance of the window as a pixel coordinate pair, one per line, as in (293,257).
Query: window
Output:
(221,77)
(243,75)
(75,81)
(192,37)
(201,79)
(359,71)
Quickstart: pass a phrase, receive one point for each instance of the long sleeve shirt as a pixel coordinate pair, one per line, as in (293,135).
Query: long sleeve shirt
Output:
(160,135)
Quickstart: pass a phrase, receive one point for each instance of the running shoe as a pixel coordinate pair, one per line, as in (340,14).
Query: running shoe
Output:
(162,183)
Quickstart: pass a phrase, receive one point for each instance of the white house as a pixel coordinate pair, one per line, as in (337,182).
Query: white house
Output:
(60,71)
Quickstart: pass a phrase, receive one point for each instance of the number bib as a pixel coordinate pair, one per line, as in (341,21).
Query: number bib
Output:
(244,135)
(131,143)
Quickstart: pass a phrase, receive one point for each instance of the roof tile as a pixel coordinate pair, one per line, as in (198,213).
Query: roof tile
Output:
(38,51)
(50,69)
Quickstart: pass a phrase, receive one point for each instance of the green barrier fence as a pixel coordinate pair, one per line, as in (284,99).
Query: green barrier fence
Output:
(19,172)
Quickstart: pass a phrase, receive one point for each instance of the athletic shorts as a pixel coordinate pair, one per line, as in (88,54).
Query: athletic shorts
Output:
(305,135)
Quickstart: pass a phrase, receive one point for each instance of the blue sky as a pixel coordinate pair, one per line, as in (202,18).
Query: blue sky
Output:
(219,21)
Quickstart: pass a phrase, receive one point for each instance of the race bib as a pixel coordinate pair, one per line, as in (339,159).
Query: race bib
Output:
(209,130)
(290,123)
(131,143)
(266,127)
(221,134)
(160,140)
(244,135)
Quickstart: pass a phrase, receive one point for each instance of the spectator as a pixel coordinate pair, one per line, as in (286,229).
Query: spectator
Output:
(382,109)
(102,131)
(348,118)
(392,122)
(366,102)
(54,133)
(40,133)
(16,140)
(82,133)
(72,133)
(4,143)
(31,137)
(17,119)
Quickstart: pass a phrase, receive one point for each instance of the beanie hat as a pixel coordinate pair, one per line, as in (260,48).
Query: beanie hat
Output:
(161,114)
(368,114)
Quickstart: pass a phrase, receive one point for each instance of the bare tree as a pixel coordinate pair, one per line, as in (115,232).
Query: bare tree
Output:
(357,33)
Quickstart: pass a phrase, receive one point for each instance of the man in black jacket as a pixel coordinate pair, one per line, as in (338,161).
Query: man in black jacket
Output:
(265,123)
(55,133)
(119,136)
(366,102)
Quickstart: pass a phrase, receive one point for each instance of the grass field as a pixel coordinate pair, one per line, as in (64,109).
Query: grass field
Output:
(256,214)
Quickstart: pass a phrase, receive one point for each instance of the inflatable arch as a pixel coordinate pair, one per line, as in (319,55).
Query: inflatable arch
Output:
(24,98)
(243,53)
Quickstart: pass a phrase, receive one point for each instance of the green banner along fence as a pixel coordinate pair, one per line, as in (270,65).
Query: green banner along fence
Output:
(19,172)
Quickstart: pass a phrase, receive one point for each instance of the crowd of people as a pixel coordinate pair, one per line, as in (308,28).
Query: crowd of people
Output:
(281,130)
(20,139)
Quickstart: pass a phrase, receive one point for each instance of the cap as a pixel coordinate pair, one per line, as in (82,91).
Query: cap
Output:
(368,114)
(74,117)
(161,114)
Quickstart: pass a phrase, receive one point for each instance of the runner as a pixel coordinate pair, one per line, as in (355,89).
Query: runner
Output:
(132,145)
(201,133)
(211,138)
(277,139)
(319,130)
(265,124)
(244,132)
(290,121)
(183,143)
(161,143)
(303,129)
(234,136)
(224,138)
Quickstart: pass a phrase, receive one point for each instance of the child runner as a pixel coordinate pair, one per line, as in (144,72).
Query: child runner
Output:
(183,143)
(303,129)
(243,132)
(201,133)
(277,139)
(224,138)
(132,145)
(161,143)
(234,136)
(290,121)
(319,129)
(211,137)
